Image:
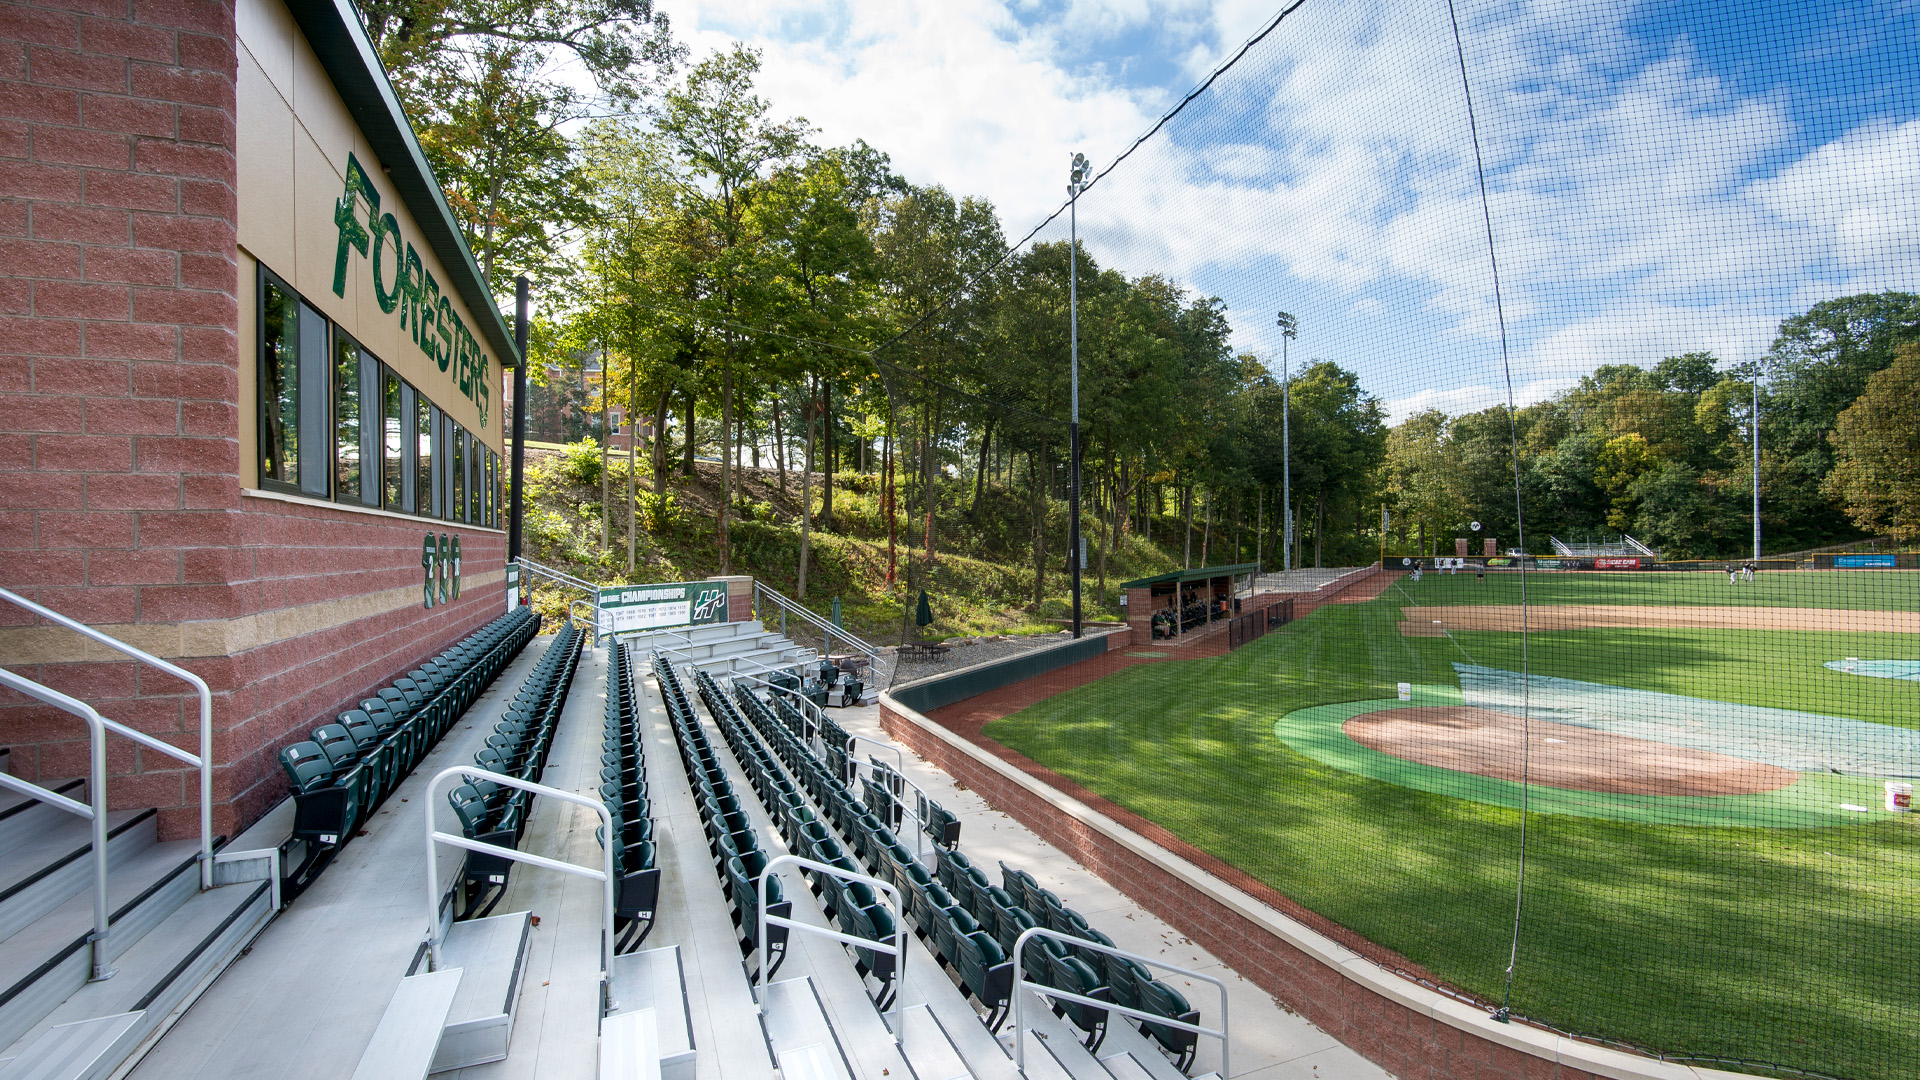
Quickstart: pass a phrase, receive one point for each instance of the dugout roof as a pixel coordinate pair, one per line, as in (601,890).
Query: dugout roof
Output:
(1199,573)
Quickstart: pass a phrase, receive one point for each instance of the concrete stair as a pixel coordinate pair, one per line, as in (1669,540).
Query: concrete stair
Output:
(166,939)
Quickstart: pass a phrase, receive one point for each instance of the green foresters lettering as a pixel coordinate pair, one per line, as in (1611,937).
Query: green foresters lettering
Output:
(389,229)
(411,286)
(344,215)
(427,314)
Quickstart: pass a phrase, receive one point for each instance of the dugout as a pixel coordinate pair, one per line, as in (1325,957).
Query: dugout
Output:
(256,400)
(1176,604)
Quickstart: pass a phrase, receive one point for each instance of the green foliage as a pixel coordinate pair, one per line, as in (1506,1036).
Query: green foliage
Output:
(580,464)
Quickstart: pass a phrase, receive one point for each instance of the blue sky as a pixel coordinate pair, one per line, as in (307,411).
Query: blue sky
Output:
(1664,177)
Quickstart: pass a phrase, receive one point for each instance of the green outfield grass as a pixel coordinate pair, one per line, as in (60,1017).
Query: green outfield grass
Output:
(1793,946)
(1856,590)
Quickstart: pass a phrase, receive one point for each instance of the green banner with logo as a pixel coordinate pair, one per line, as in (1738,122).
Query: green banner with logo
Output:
(628,608)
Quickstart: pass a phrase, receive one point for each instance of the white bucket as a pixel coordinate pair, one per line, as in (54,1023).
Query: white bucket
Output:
(1899,796)
(1406,691)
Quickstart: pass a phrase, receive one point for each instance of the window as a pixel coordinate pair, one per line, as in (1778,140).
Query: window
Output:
(474,470)
(393,465)
(294,445)
(426,426)
(356,413)
(457,510)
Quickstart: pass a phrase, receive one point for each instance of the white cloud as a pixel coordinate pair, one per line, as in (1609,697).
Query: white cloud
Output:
(1641,206)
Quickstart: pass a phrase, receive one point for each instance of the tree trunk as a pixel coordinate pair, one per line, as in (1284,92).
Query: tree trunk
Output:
(660,407)
(826,455)
(806,502)
(606,438)
(1206,538)
(633,462)
(887,485)
(1035,465)
(686,467)
(1186,520)
(980,473)
(779,446)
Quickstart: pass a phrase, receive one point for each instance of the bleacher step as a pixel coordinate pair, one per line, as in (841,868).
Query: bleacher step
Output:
(654,981)
(158,975)
(1125,1066)
(1050,1039)
(798,1034)
(408,1037)
(1124,1038)
(493,954)
(929,1050)
(51,866)
(629,1047)
(74,1050)
(23,817)
(48,960)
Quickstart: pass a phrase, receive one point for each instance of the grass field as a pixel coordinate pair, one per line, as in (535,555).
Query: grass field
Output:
(1798,947)
(1853,590)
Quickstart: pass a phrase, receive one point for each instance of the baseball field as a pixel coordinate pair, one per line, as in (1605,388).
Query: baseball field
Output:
(1710,871)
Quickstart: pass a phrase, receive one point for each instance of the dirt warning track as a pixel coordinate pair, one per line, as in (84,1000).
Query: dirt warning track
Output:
(1434,621)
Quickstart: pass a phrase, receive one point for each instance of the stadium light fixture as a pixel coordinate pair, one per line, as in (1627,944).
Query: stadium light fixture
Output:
(1289,329)
(1079,174)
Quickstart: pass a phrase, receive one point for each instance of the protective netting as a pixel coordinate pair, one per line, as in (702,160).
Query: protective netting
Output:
(1591,744)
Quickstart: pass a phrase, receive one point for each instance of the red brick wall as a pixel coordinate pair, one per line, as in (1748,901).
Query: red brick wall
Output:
(119,417)
(1404,1042)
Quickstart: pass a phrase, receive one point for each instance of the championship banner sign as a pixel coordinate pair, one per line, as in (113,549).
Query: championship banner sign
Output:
(626,608)
(1865,562)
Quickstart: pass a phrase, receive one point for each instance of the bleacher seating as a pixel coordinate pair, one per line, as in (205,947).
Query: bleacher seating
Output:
(851,905)
(494,813)
(738,857)
(970,924)
(347,768)
(623,788)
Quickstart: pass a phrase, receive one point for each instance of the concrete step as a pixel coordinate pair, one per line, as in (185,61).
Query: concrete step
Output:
(157,977)
(44,870)
(928,1049)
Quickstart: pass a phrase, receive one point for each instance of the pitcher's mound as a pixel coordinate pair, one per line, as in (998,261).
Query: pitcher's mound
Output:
(1488,743)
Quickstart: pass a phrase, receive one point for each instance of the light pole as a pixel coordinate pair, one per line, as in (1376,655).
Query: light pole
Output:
(1077,178)
(1756,466)
(1289,329)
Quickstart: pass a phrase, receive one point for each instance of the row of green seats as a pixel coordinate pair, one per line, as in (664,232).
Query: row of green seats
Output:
(731,839)
(346,769)
(623,789)
(495,813)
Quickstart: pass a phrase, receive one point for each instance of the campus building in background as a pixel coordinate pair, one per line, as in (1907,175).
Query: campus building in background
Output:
(250,386)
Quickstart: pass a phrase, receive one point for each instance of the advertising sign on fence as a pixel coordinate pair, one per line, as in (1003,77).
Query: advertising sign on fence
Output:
(1886,561)
(1616,564)
(625,608)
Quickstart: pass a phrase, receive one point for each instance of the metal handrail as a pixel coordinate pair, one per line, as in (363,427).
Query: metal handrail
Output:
(898,949)
(870,652)
(920,827)
(559,577)
(203,761)
(1020,983)
(592,618)
(96,794)
(605,876)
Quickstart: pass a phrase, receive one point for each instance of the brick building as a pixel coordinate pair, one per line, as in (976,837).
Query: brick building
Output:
(250,384)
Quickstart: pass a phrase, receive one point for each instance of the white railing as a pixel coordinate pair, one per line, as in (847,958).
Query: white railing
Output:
(96,813)
(202,761)
(897,950)
(605,875)
(762,593)
(558,577)
(1020,984)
